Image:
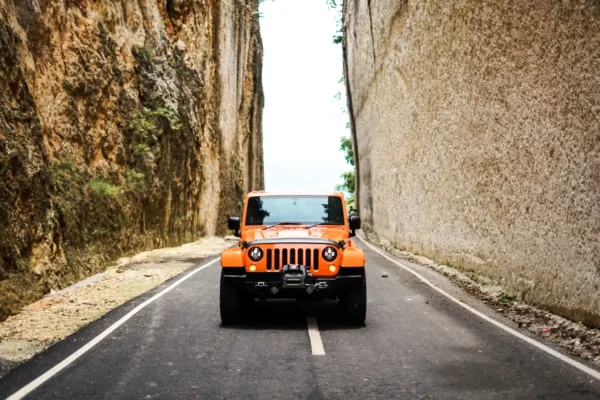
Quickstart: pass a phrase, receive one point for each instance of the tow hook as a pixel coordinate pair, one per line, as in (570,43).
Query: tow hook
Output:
(261,284)
(317,286)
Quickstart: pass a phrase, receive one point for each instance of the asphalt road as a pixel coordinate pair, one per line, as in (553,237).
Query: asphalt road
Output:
(416,344)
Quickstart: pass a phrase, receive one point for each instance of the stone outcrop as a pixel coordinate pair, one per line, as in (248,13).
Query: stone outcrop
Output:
(124,125)
(477,135)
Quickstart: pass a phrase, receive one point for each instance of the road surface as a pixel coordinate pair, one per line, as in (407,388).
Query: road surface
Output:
(417,344)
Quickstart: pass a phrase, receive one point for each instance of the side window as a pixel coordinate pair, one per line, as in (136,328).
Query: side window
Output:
(335,210)
(256,212)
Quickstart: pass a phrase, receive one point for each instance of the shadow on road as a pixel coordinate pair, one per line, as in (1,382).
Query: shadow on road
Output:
(291,315)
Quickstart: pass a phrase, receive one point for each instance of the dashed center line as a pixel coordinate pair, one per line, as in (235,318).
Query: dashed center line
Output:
(315,337)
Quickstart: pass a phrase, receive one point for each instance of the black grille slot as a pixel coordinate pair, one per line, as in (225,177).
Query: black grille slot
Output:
(277,259)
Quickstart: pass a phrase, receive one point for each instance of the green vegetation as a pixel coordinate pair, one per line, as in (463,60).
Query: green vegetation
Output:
(94,207)
(145,130)
(134,178)
(67,182)
(23,264)
(135,183)
(61,175)
(349,177)
(506,299)
(339,34)
(149,121)
(346,147)
(101,188)
(143,56)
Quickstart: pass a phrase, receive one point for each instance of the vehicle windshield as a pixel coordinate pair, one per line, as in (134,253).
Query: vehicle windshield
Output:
(307,210)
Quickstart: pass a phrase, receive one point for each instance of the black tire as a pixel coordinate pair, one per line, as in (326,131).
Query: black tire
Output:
(230,303)
(354,303)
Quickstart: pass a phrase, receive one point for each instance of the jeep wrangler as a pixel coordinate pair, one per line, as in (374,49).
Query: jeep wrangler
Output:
(294,246)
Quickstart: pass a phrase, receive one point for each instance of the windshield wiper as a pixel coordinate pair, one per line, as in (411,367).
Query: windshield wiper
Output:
(320,223)
(281,223)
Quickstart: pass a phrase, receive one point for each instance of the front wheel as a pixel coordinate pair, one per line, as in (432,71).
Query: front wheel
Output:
(354,303)
(230,303)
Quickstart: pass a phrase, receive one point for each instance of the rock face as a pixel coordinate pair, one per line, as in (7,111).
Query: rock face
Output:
(477,134)
(124,125)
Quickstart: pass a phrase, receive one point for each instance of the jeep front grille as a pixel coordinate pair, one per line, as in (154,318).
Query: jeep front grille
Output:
(277,258)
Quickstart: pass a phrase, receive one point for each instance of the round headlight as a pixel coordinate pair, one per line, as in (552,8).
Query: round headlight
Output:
(329,254)
(255,254)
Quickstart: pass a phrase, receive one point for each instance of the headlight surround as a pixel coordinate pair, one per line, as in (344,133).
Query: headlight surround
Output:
(256,254)
(329,254)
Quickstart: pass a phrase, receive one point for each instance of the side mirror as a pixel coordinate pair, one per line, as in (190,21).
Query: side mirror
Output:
(354,224)
(233,223)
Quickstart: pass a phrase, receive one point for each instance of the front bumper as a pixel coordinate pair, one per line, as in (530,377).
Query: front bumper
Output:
(290,283)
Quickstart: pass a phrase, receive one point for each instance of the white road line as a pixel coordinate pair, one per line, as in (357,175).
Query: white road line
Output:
(69,360)
(315,337)
(562,357)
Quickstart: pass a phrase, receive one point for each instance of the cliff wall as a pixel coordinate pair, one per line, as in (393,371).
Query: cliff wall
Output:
(124,125)
(477,135)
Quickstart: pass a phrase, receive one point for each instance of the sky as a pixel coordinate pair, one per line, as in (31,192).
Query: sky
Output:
(302,121)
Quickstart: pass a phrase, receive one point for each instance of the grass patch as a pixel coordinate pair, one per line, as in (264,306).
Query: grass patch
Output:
(506,299)
(62,174)
(145,131)
(101,188)
(135,183)
(143,56)
(134,178)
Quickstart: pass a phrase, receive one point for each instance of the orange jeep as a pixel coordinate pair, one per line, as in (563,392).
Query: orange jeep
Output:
(294,246)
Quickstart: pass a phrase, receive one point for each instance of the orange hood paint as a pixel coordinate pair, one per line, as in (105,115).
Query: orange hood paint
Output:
(320,232)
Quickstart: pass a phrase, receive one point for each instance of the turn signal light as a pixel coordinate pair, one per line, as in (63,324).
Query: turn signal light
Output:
(252,268)
(332,268)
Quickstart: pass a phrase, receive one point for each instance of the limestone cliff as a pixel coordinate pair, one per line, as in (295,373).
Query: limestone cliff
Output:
(477,135)
(124,125)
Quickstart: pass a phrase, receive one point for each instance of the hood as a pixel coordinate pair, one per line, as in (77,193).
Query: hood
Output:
(335,234)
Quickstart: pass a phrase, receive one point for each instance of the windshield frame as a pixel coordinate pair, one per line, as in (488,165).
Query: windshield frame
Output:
(302,224)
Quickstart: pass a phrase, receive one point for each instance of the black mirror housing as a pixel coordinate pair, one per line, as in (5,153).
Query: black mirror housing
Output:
(354,222)
(233,223)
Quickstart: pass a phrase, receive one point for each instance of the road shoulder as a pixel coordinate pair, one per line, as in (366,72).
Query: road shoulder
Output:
(571,338)
(60,314)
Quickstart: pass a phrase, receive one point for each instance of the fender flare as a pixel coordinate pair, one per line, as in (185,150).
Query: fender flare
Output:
(353,258)
(232,258)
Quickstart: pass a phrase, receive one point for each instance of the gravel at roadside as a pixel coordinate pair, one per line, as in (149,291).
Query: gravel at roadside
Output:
(576,338)
(59,314)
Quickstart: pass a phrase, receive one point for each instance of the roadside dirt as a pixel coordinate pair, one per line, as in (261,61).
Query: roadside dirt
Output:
(576,338)
(62,313)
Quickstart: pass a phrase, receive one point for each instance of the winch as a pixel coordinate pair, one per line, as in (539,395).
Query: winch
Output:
(293,276)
